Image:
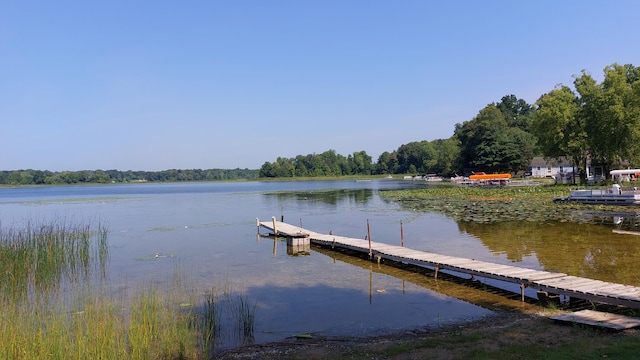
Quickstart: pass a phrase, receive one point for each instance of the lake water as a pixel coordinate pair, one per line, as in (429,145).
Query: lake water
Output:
(207,233)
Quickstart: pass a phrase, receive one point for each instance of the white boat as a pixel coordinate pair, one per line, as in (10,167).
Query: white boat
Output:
(615,195)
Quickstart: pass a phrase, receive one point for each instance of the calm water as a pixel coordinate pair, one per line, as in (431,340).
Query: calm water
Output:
(208,232)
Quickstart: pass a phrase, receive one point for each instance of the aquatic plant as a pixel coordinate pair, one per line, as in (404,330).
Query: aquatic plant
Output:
(245,315)
(41,256)
(490,205)
(210,319)
(52,307)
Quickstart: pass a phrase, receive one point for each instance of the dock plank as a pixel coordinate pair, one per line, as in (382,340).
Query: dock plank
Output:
(600,319)
(557,283)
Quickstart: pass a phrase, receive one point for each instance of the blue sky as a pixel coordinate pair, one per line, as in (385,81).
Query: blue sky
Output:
(155,85)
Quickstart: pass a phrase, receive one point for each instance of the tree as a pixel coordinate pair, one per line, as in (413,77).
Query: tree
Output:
(496,140)
(387,163)
(360,163)
(516,111)
(611,115)
(447,152)
(620,113)
(559,129)
(477,138)
(417,156)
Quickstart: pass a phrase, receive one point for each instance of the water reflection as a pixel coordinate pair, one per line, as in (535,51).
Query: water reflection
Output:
(295,247)
(586,250)
(627,220)
(465,290)
(329,197)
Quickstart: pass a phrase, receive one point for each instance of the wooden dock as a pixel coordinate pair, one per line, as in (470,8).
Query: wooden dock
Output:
(544,281)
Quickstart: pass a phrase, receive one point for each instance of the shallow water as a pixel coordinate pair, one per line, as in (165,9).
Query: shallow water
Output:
(207,232)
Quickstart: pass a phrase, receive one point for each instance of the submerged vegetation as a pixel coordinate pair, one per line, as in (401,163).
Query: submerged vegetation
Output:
(490,205)
(56,303)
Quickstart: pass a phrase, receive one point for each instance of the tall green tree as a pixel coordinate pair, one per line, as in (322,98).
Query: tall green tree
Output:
(387,163)
(417,156)
(559,129)
(488,143)
(360,163)
(611,114)
(447,152)
(516,111)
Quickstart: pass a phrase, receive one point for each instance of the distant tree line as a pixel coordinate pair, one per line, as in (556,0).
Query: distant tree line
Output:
(597,122)
(326,164)
(40,177)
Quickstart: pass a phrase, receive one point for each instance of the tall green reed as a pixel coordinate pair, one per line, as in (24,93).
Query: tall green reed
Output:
(39,321)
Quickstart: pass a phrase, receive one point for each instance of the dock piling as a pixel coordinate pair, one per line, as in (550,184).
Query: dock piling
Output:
(401,234)
(369,238)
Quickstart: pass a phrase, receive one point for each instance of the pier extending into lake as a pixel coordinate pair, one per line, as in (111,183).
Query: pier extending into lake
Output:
(551,283)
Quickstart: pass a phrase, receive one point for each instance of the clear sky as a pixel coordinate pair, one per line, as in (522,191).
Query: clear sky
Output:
(155,85)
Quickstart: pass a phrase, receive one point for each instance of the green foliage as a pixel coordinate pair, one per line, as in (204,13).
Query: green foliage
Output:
(497,139)
(329,163)
(612,114)
(38,177)
(559,130)
(416,157)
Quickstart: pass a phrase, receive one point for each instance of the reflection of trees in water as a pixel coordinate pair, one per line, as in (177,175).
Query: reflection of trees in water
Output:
(585,250)
(331,197)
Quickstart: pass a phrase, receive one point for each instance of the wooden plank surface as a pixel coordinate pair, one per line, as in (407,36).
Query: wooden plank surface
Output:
(558,283)
(600,319)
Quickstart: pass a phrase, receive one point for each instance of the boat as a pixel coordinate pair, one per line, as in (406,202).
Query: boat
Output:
(615,195)
(625,175)
(483,176)
(482,179)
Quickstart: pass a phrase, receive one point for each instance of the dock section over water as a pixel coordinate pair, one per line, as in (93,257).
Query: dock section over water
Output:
(549,282)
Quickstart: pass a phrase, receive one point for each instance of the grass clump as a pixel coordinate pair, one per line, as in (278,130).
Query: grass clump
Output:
(52,307)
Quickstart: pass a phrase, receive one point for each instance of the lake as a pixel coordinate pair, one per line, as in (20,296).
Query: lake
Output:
(206,233)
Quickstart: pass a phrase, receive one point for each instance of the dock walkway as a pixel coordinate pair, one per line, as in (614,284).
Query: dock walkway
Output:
(550,282)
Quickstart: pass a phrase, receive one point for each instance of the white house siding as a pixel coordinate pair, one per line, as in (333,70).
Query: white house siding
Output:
(558,169)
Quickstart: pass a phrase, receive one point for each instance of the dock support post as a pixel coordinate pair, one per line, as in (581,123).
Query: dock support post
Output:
(435,275)
(258,225)
(401,234)
(369,238)
(275,231)
(522,292)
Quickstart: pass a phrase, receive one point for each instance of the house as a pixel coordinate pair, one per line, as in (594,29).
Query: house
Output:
(560,169)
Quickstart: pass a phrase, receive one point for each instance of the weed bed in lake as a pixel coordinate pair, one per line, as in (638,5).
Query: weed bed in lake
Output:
(56,304)
(489,205)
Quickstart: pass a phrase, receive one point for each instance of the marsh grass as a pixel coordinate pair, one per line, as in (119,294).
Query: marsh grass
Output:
(52,307)
(42,256)
(245,315)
